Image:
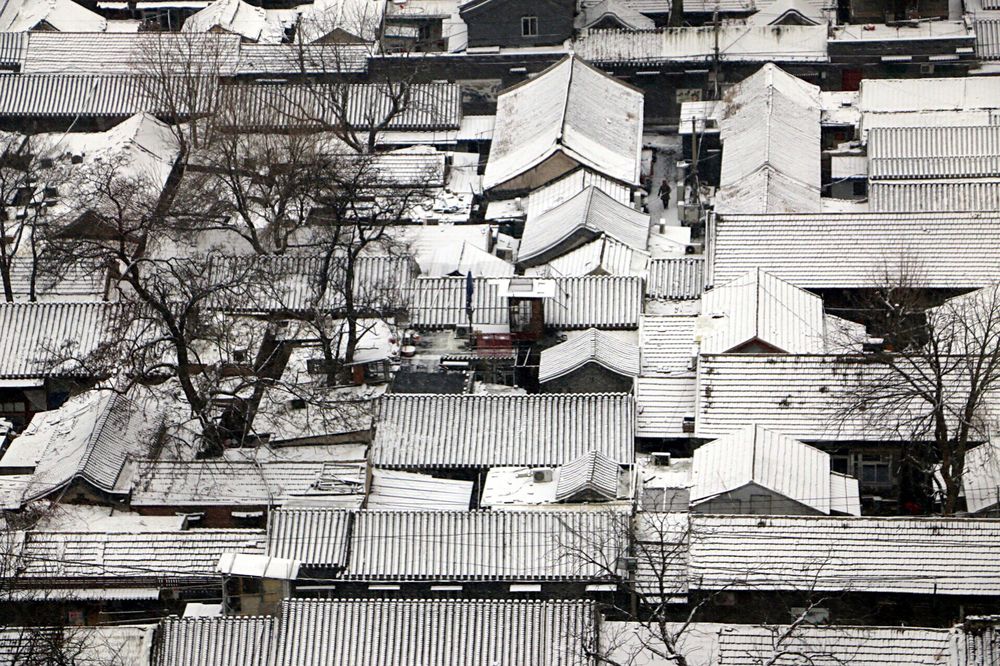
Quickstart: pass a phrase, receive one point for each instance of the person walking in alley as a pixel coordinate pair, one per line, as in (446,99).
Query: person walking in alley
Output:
(665,193)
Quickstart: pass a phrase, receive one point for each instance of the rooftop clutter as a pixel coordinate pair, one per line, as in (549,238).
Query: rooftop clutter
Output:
(356,332)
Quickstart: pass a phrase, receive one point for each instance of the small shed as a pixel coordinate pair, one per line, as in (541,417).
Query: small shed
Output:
(760,471)
(590,361)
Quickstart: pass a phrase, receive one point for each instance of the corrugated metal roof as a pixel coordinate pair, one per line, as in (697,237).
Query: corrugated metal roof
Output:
(477,431)
(216,641)
(422,106)
(591,476)
(592,346)
(182,554)
(595,301)
(915,195)
(580,302)
(764,457)
(676,278)
(571,109)
(125,53)
(770,131)
(934,152)
(785,43)
(315,537)
(827,554)
(667,343)
(851,250)
(759,307)
(751,645)
(589,214)
(303,58)
(37,335)
(566,545)
(46,95)
(12,47)
(397,490)
(987,38)
(439,632)
(662,403)
(212,483)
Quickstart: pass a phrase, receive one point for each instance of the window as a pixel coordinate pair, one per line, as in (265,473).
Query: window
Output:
(875,470)
(529,26)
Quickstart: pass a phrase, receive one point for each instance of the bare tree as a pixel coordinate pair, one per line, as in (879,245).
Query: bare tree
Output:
(656,617)
(933,382)
(28,181)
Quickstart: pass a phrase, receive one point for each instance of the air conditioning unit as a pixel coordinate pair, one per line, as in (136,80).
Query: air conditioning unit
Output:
(541,475)
(661,459)
(462,332)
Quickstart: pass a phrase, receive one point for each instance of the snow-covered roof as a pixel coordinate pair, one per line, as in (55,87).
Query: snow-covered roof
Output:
(592,476)
(185,54)
(735,43)
(667,343)
(395,489)
(91,437)
(485,545)
(755,455)
(676,278)
(233,16)
(619,11)
(562,189)
(789,12)
(803,396)
(759,307)
(899,196)
(947,96)
(359,20)
(663,403)
(479,431)
(771,145)
(314,537)
(58,15)
(589,214)
(603,256)
(853,250)
(233,483)
(570,114)
(815,554)
(942,151)
(590,346)
(40,338)
(462,257)
(139,559)
(247,641)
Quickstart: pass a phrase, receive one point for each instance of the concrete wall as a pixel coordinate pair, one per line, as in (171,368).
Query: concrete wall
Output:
(498,23)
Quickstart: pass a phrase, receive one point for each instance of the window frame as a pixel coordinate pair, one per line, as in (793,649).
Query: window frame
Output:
(531,23)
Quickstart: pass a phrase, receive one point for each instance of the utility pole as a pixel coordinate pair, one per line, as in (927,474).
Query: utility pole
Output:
(715,53)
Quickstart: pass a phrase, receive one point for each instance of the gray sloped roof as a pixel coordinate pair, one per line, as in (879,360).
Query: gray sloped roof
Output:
(438,632)
(216,641)
(316,537)
(592,474)
(37,334)
(476,431)
(563,544)
(588,214)
(595,346)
